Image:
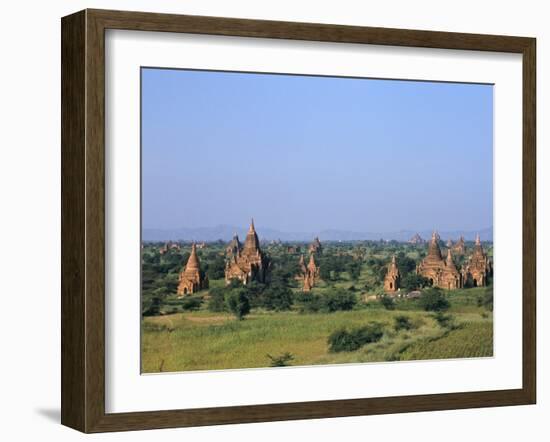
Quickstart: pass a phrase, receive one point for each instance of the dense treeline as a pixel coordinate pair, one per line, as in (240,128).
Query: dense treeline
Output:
(348,272)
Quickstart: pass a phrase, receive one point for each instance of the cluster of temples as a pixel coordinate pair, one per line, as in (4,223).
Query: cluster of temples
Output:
(247,262)
(442,271)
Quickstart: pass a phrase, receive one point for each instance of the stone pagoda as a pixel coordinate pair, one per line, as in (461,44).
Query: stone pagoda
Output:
(234,246)
(246,263)
(309,274)
(441,272)
(392,280)
(478,269)
(191,278)
(315,246)
(459,247)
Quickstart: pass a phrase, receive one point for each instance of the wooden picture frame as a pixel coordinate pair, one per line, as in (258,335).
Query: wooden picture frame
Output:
(83,220)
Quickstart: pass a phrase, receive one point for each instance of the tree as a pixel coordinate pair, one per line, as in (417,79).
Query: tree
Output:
(387,302)
(354,270)
(215,267)
(154,307)
(237,303)
(433,300)
(277,297)
(414,282)
(405,264)
(352,340)
(216,301)
(339,300)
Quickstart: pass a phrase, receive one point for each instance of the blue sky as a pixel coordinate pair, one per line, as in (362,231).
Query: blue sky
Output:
(303,153)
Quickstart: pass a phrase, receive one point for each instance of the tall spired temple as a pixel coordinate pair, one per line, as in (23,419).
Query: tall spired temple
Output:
(392,280)
(441,272)
(246,263)
(478,269)
(191,278)
(309,274)
(234,246)
(315,246)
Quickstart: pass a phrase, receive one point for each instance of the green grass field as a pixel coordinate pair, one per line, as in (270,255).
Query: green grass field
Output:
(203,340)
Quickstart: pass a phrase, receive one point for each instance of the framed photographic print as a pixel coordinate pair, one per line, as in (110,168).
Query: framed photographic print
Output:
(270,220)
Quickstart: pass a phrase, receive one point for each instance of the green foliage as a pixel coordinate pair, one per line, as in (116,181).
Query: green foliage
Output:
(154,307)
(402,322)
(191,303)
(387,302)
(339,300)
(336,300)
(405,264)
(237,303)
(488,298)
(277,297)
(282,360)
(352,340)
(309,302)
(433,300)
(445,320)
(414,282)
(216,303)
(354,269)
(214,266)
(334,264)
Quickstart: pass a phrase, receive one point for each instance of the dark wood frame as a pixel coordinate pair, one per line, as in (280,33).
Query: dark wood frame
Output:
(83,220)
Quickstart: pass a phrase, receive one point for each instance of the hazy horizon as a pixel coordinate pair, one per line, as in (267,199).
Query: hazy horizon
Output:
(307,154)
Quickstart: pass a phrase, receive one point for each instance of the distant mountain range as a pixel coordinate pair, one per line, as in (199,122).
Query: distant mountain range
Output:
(225,233)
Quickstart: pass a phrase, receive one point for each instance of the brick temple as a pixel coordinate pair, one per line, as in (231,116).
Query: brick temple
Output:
(441,272)
(246,263)
(478,269)
(191,278)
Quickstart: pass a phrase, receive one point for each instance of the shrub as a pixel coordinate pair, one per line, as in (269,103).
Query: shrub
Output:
(277,298)
(352,340)
(414,282)
(339,300)
(387,302)
(309,302)
(283,360)
(191,303)
(445,321)
(402,323)
(237,303)
(216,303)
(154,307)
(433,300)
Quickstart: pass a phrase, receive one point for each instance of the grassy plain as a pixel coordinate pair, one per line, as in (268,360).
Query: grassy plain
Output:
(204,340)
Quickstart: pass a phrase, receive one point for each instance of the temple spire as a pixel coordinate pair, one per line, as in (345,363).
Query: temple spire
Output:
(311,264)
(434,252)
(478,241)
(193,261)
